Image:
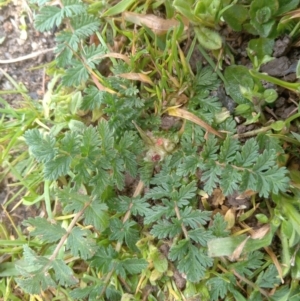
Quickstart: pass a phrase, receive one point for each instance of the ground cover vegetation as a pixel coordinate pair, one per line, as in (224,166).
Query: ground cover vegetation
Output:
(156,178)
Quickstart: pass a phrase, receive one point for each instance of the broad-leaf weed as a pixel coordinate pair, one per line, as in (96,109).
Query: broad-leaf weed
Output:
(133,155)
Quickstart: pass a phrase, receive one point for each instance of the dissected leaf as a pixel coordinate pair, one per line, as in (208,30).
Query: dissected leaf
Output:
(81,244)
(44,230)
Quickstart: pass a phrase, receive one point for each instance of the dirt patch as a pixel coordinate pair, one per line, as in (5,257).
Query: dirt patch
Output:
(18,39)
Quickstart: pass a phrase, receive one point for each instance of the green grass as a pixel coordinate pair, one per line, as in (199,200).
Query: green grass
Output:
(146,189)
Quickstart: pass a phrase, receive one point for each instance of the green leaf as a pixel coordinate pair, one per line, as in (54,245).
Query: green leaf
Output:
(178,250)
(36,283)
(99,182)
(146,171)
(200,236)
(273,180)
(228,150)
(139,206)
(72,7)
(118,173)
(235,16)
(157,193)
(134,266)
(34,277)
(208,38)
(160,262)
(219,226)
(127,147)
(41,146)
(155,214)
(207,11)
(248,155)
(80,244)
(72,200)
(230,180)
(70,144)
(264,161)
(63,273)
(96,215)
(206,79)
(164,229)
(48,17)
(260,48)
(46,231)
(67,42)
(58,167)
(210,176)
(286,6)
(188,166)
(76,75)
(90,143)
(194,218)
(106,135)
(85,25)
(32,262)
(121,232)
(185,194)
(210,149)
(247,267)
(105,259)
(268,278)
(218,287)
(237,76)
(118,8)
(194,263)
(93,99)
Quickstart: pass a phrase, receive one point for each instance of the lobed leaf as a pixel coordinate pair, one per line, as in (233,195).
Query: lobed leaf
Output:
(95,214)
(80,244)
(134,265)
(58,167)
(194,264)
(42,147)
(48,17)
(63,273)
(164,229)
(46,231)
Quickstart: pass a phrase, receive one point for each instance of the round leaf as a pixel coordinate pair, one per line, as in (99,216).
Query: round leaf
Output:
(208,38)
(270,95)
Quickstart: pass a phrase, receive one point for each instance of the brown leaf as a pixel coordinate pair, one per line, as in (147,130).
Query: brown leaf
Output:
(137,76)
(158,25)
(230,218)
(218,197)
(238,250)
(261,232)
(114,55)
(175,111)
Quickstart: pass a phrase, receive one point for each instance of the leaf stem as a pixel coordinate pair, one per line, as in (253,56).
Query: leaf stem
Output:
(68,231)
(137,192)
(47,199)
(184,230)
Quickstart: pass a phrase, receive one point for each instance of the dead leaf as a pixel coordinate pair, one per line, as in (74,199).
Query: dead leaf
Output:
(176,111)
(276,262)
(238,250)
(137,76)
(100,86)
(158,25)
(218,197)
(261,232)
(246,194)
(114,55)
(230,218)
